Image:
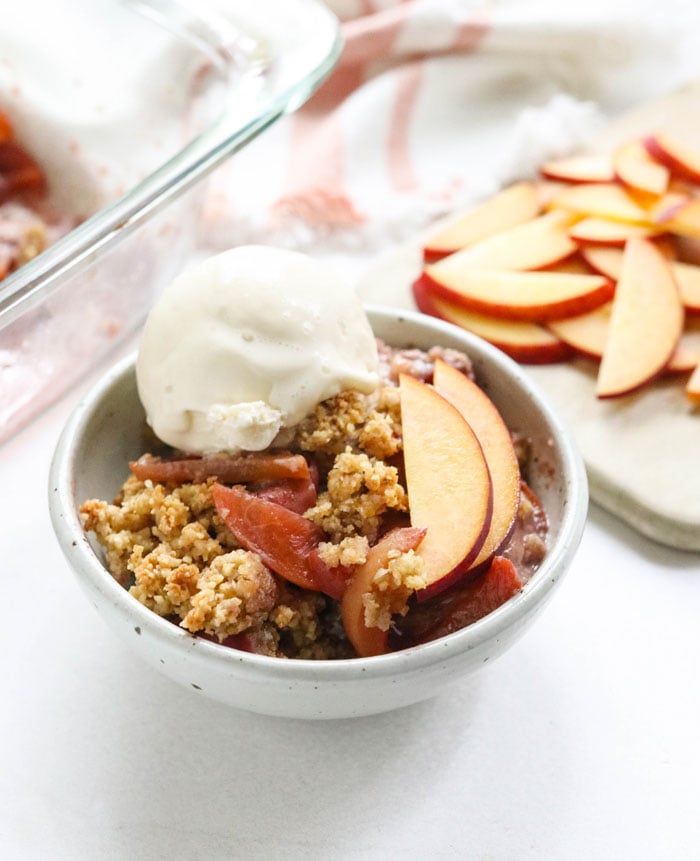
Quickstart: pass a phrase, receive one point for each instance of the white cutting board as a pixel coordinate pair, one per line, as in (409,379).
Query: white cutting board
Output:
(642,451)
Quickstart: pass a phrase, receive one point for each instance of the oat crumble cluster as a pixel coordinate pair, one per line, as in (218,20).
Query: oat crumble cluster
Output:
(168,545)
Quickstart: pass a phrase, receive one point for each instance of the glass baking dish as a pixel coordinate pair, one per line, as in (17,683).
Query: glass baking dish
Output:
(127,106)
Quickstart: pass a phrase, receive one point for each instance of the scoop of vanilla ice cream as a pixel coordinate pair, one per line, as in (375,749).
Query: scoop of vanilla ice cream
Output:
(245,345)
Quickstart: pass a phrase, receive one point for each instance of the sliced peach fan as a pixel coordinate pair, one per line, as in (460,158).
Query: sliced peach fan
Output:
(444,462)
(510,287)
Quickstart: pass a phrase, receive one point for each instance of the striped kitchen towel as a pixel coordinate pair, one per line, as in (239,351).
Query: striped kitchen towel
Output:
(435,103)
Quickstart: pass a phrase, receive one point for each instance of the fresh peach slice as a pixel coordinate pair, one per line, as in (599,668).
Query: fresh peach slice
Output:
(448,483)
(683,219)
(586,333)
(692,389)
(635,167)
(608,261)
(664,208)
(575,265)
(602,231)
(547,190)
(497,445)
(541,242)
(602,200)
(512,206)
(579,169)
(524,342)
(645,324)
(521,295)
(687,355)
(682,160)
(373,641)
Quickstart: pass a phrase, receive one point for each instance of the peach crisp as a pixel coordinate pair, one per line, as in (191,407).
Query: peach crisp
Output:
(388,519)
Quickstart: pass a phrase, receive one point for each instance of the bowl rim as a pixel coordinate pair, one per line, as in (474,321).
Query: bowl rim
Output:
(87,565)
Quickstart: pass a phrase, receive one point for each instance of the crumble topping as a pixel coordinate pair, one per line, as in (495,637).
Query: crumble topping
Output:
(369,423)
(351,550)
(360,490)
(147,516)
(392,587)
(234,593)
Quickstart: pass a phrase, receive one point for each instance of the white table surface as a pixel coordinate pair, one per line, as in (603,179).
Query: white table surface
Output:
(582,742)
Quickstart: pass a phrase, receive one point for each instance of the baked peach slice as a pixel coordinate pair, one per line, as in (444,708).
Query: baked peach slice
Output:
(512,206)
(534,296)
(636,168)
(535,244)
(477,599)
(497,445)
(448,483)
(282,538)
(528,343)
(646,321)
(365,640)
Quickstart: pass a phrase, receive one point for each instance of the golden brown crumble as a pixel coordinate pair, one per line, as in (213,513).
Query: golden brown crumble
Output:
(369,423)
(351,550)
(234,593)
(309,626)
(360,489)
(392,587)
(146,515)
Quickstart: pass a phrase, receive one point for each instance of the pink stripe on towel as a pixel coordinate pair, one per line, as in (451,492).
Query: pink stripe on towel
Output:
(401,172)
(316,180)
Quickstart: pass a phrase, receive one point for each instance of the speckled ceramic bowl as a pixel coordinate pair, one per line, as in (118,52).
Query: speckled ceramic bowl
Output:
(106,430)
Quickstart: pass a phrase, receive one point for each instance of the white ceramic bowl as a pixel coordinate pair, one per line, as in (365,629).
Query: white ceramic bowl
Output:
(106,430)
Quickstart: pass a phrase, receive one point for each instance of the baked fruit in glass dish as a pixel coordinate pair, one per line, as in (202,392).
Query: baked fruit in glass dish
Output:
(28,222)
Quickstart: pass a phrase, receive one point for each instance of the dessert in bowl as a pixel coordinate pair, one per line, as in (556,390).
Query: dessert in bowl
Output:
(314,590)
